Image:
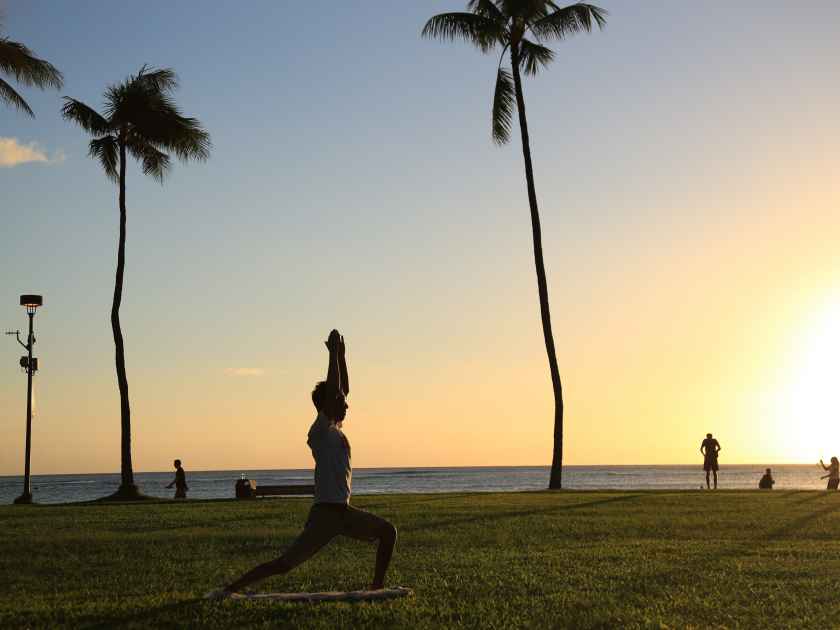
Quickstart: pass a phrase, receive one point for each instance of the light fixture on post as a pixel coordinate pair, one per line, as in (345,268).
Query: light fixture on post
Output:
(30,364)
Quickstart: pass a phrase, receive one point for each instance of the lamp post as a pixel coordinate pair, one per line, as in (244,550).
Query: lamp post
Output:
(30,364)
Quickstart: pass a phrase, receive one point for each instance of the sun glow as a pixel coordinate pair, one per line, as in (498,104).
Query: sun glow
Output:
(810,409)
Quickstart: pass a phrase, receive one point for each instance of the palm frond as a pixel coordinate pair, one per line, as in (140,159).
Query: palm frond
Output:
(106,151)
(162,79)
(502,107)
(188,139)
(527,10)
(85,116)
(479,30)
(155,163)
(18,61)
(533,56)
(569,20)
(486,8)
(161,124)
(9,96)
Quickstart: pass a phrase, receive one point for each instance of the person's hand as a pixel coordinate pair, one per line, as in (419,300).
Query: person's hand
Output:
(332,341)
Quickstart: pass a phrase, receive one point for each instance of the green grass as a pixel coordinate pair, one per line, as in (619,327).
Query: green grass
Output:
(567,559)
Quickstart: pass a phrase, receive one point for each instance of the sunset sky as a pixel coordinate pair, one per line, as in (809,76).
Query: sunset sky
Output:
(687,162)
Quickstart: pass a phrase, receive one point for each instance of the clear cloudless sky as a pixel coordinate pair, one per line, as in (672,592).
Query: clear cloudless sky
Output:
(686,162)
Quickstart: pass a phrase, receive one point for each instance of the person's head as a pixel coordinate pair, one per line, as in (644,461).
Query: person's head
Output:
(834,460)
(329,400)
(709,436)
(768,471)
(177,463)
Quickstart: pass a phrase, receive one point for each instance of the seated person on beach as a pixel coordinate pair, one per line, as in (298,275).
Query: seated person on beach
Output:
(180,481)
(767,481)
(833,475)
(331,514)
(710,449)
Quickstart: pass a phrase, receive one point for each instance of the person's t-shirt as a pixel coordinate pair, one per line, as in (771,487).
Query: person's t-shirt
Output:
(331,451)
(766,482)
(833,471)
(711,447)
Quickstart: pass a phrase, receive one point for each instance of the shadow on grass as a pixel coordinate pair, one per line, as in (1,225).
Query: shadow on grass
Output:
(650,586)
(799,523)
(812,495)
(142,618)
(441,497)
(498,516)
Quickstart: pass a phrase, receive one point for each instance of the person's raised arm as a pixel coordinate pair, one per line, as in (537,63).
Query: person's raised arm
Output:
(333,376)
(342,367)
(824,467)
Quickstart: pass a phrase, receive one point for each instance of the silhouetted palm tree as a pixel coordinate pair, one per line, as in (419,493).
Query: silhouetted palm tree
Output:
(17,60)
(508,24)
(140,118)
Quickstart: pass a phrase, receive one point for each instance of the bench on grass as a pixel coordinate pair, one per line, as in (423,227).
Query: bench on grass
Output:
(288,490)
(249,489)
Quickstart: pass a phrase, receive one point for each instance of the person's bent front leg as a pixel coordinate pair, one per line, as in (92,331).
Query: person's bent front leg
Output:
(366,526)
(384,551)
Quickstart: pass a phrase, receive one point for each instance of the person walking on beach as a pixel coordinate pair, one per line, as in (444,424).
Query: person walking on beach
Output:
(767,481)
(833,475)
(710,449)
(331,514)
(180,481)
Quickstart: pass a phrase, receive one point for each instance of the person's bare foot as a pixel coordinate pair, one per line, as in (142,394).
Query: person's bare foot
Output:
(376,587)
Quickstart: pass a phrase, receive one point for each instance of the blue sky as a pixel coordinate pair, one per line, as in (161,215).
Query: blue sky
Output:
(353,183)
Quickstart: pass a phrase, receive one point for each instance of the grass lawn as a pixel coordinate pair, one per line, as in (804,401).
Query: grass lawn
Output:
(562,559)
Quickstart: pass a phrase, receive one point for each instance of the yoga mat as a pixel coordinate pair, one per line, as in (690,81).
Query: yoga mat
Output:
(331,596)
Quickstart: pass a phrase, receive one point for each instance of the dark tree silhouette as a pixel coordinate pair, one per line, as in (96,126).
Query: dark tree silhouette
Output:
(519,27)
(141,119)
(17,60)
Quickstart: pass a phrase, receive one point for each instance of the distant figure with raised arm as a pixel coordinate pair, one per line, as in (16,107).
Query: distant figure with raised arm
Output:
(833,475)
(180,481)
(331,514)
(766,482)
(710,449)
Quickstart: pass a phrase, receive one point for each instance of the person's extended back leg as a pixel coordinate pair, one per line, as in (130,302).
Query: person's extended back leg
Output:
(363,525)
(318,532)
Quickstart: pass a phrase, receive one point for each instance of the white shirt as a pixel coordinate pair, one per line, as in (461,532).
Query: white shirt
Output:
(331,451)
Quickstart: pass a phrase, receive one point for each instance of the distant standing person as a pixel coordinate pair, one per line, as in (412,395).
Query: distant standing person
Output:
(710,449)
(180,481)
(833,473)
(767,481)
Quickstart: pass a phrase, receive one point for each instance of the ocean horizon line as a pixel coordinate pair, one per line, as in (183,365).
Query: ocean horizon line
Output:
(239,471)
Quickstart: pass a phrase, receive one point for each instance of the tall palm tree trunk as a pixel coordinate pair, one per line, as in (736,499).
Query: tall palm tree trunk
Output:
(555,481)
(127,488)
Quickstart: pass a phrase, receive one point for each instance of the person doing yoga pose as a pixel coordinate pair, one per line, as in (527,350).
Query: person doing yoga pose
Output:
(331,514)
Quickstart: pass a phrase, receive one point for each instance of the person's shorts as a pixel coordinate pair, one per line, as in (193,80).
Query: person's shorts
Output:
(710,463)
(832,484)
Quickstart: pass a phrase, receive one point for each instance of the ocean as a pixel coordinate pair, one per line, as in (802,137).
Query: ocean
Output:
(219,484)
